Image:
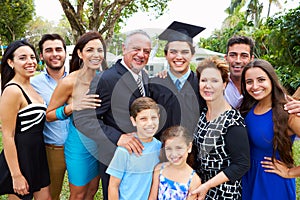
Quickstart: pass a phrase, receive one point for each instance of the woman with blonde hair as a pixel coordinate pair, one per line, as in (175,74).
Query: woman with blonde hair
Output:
(220,138)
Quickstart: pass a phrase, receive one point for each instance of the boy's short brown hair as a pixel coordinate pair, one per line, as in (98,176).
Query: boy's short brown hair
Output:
(142,103)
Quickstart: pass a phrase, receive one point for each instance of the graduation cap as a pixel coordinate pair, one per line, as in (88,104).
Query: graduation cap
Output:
(179,31)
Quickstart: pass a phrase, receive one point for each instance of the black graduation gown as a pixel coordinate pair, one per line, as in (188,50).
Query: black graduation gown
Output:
(177,107)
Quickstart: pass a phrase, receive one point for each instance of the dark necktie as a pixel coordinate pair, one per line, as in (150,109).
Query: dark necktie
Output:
(177,84)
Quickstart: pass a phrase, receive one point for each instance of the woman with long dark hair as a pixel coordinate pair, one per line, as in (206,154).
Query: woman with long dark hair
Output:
(70,95)
(23,162)
(271,131)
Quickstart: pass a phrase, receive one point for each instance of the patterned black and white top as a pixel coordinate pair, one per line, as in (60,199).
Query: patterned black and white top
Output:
(222,145)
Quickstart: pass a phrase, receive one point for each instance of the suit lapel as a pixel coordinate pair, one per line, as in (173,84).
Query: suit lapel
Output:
(128,80)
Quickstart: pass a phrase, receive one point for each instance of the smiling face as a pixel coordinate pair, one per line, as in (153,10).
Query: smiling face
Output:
(24,62)
(258,84)
(179,56)
(54,54)
(92,54)
(211,85)
(177,150)
(238,57)
(146,123)
(136,52)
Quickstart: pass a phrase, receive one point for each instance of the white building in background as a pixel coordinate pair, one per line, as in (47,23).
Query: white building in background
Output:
(201,53)
(155,65)
(111,58)
(69,56)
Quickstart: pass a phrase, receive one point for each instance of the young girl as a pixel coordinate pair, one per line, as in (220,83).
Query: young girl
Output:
(174,179)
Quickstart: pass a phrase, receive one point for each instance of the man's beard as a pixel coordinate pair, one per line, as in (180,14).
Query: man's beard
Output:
(54,68)
(135,69)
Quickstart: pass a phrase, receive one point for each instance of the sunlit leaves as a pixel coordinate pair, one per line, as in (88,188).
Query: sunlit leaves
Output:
(14,15)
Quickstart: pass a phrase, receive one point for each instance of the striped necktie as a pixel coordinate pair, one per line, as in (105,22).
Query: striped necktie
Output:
(140,85)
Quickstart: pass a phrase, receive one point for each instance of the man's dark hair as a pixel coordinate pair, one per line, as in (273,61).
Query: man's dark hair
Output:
(53,36)
(237,39)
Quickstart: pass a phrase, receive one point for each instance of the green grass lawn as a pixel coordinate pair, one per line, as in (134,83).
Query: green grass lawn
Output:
(65,190)
(296,153)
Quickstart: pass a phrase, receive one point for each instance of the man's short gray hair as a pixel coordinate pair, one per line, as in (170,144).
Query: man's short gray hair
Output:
(135,32)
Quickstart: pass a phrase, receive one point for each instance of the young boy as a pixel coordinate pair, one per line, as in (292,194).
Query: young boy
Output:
(131,174)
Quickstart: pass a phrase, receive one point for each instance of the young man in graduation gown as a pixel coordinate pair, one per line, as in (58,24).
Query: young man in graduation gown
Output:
(178,93)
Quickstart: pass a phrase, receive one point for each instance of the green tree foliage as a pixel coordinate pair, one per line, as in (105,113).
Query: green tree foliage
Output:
(39,26)
(218,40)
(14,15)
(64,29)
(286,28)
(283,37)
(106,16)
(276,40)
(36,28)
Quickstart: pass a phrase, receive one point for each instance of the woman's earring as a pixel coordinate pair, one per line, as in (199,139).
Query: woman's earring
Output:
(79,62)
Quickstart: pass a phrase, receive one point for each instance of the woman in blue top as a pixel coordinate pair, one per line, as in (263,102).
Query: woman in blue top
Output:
(70,95)
(271,131)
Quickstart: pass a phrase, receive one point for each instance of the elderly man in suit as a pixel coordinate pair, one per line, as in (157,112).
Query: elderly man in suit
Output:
(109,125)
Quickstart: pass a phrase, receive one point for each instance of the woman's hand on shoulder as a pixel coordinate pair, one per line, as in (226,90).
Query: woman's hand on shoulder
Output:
(292,106)
(162,74)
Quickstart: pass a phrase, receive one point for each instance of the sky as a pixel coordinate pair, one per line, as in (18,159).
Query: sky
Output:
(210,14)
